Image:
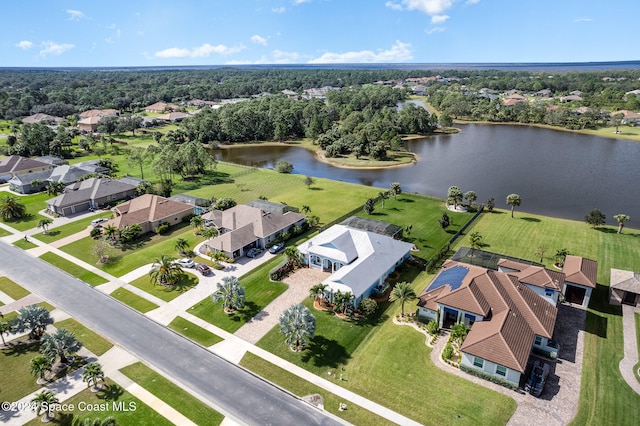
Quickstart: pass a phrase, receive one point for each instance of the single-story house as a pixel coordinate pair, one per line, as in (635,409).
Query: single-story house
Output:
(161,107)
(43,118)
(89,124)
(173,116)
(92,166)
(149,211)
(99,113)
(37,181)
(14,165)
(544,282)
(244,227)
(271,207)
(580,279)
(624,287)
(570,98)
(506,318)
(359,261)
(90,193)
(50,159)
(628,117)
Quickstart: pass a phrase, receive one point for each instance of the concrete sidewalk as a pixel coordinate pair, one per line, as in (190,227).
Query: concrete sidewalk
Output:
(630,347)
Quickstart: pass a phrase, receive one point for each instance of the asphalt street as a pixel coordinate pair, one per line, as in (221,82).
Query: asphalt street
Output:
(235,392)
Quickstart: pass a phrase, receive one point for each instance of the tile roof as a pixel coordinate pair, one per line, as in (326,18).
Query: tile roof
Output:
(534,275)
(99,113)
(147,208)
(580,270)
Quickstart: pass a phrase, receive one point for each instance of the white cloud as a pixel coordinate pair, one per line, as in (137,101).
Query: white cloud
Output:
(583,20)
(199,52)
(75,15)
(25,44)
(430,7)
(282,57)
(397,53)
(472,2)
(297,2)
(435,30)
(53,48)
(438,19)
(280,9)
(259,40)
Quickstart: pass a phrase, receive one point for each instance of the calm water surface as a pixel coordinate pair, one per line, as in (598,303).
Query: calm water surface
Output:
(556,173)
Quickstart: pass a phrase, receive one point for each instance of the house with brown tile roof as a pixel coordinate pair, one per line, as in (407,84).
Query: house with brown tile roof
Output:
(545,283)
(580,279)
(99,113)
(15,165)
(244,227)
(43,118)
(161,107)
(149,211)
(89,124)
(507,318)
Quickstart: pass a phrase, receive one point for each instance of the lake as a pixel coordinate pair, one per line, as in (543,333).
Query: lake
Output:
(556,173)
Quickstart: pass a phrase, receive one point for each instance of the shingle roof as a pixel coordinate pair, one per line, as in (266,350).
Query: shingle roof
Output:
(99,113)
(235,240)
(89,189)
(15,163)
(580,270)
(625,280)
(147,208)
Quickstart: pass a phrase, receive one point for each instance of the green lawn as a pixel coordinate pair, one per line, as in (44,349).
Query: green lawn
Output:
(624,132)
(24,245)
(166,293)
(12,289)
(71,228)
(354,414)
(176,397)
(259,292)
(33,203)
(423,215)
(194,332)
(133,300)
(637,366)
(4,232)
(605,398)
(14,370)
(90,339)
(116,402)
(73,269)
(145,251)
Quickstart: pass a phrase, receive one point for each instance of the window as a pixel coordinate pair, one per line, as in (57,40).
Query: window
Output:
(537,341)
(500,370)
(478,362)
(548,292)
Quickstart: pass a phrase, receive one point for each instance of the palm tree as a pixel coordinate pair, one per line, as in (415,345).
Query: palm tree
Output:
(45,401)
(92,374)
(165,271)
(111,233)
(513,200)
(107,421)
(33,318)
(198,223)
(231,293)
(11,208)
(404,293)
(44,224)
(459,332)
(561,255)
(454,195)
(55,188)
(293,254)
(317,292)
(621,218)
(5,328)
(305,209)
(475,239)
(62,343)
(182,245)
(471,197)
(342,301)
(396,189)
(299,325)
(39,367)
(383,195)
(210,233)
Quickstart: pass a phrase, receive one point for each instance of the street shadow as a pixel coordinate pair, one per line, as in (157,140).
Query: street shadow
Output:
(323,352)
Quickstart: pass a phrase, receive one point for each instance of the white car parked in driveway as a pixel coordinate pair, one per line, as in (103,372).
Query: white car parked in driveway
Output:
(186,262)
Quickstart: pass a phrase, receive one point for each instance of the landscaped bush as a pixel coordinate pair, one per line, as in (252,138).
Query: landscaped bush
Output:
(95,232)
(219,256)
(162,229)
(447,353)
(217,266)
(283,271)
(432,327)
(489,377)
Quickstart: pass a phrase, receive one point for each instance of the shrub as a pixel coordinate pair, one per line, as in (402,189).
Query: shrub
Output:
(368,306)
(432,327)
(162,229)
(447,353)
(95,232)
(284,167)
(217,266)
(489,377)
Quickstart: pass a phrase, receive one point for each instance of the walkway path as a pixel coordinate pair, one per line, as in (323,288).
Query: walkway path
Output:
(630,347)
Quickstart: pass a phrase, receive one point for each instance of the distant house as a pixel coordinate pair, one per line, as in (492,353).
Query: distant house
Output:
(580,279)
(90,193)
(359,261)
(635,93)
(43,118)
(507,319)
(244,227)
(200,204)
(173,116)
(15,165)
(37,181)
(160,107)
(92,166)
(49,159)
(624,287)
(99,113)
(89,124)
(570,98)
(149,211)
(628,117)
(544,93)
(271,207)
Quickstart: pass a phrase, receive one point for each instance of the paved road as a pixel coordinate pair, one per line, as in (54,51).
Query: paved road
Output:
(236,393)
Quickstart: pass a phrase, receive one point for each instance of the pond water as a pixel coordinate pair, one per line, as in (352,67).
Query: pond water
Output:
(556,173)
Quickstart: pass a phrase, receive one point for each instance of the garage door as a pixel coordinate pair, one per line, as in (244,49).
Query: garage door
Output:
(575,294)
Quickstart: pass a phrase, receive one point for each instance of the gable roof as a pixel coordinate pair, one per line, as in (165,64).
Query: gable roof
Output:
(147,208)
(534,275)
(89,189)
(235,240)
(99,113)
(580,270)
(16,163)
(27,178)
(40,117)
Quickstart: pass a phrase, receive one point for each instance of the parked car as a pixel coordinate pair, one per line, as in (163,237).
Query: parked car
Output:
(186,262)
(97,222)
(254,252)
(203,269)
(538,378)
(276,248)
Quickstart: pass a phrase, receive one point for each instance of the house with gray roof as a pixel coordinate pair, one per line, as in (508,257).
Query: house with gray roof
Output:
(14,165)
(92,193)
(37,181)
(359,261)
(624,287)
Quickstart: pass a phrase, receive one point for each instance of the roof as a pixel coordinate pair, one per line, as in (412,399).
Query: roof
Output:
(191,199)
(27,178)
(533,275)
(160,106)
(40,117)
(49,159)
(99,113)
(235,240)
(89,189)
(15,164)
(147,208)
(173,116)
(130,180)
(580,270)
(512,313)
(625,280)
(379,227)
(94,119)
(264,223)
(366,256)
(67,174)
(271,207)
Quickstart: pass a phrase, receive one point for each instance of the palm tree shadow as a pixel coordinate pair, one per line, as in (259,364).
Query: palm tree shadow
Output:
(323,352)
(110,392)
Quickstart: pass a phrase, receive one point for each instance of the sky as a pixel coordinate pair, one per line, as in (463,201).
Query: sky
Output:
(53,33)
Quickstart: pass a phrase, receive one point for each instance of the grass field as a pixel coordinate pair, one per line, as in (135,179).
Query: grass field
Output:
(605,398)
(194,332)
(112,397)
(624,132)
(176,397)
(4,232)
(637,366)
(12,289)
(68,229)
(33,203)
(24,245)
(14,370)
(259,292)
(90,339)
(166,293)
(73,269)
(133,300)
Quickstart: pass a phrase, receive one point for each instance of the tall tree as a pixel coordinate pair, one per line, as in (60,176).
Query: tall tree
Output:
(404,293)
(454,195)
(595,218)
(383,195)
(39,367)
(317,292)
(138,156)
(45,401)
(471,197)
(182,245)
(444,221)
(111,233)
(55,188)
(513,200)
(542,249)
(621,218)
(561,255)
(44,224)
(299,325)
(11,208)
(5,328)
(210,233)
(33,318)
(197,222)
(395,189)
(491,203)
(61,344)
(369,206)
(165,271)
(92,374)
(475,239)
(230,293)
(308,181)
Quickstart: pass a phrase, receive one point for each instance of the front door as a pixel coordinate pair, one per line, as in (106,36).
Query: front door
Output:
(629,298)
(575,294)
